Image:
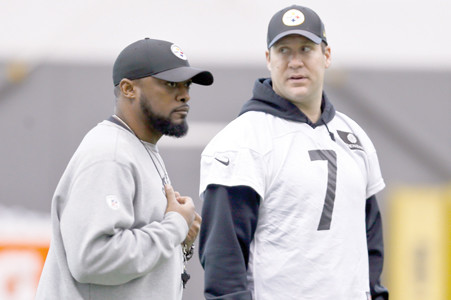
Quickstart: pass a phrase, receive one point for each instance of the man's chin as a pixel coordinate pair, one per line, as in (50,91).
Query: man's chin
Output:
(176,130)
(297,96)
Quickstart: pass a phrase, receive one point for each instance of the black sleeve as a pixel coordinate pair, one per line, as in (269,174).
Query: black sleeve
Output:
(229,219)
(375,243)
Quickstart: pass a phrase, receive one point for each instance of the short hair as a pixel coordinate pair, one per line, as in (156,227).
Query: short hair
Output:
(117,90)
(323,47)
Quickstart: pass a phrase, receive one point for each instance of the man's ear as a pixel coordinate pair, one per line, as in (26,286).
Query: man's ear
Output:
(128,88)
(328,56)
(268,59)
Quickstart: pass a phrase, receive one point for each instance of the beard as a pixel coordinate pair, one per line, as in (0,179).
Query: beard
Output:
(162,124)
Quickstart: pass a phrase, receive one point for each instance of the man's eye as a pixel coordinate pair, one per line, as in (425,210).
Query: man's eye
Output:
(171,84)
(188,83)
(283,50)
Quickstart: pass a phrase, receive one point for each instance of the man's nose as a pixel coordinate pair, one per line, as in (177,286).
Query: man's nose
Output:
(296,61)
(183,94)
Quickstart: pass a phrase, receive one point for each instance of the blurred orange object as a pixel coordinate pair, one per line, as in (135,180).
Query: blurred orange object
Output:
(24,244)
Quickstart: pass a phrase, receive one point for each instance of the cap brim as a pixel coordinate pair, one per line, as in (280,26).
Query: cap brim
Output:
(186,73)
(314,38)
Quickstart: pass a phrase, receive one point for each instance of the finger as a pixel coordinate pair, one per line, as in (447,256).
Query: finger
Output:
(197,218)
(184,200)
(177,195)
(195,226)
(170,194)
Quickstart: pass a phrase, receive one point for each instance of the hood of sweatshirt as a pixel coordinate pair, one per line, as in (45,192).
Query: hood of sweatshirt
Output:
(264,99)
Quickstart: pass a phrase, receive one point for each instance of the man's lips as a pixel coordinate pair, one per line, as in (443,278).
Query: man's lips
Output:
(297,80)
(182,110)
(297,77)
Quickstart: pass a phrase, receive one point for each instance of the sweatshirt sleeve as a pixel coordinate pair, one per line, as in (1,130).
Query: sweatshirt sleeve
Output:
(229,219)
(102,241)
(375,244)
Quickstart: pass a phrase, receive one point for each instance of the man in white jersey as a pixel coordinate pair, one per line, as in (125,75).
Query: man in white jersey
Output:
(289,186)
(119,229)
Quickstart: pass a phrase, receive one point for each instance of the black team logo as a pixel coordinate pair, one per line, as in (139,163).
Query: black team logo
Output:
(351,140)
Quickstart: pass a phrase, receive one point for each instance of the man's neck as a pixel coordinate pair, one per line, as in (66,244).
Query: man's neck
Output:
(140,129)
(312,109)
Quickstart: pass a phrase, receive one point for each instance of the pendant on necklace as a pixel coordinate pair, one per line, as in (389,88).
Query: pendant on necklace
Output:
(185,277)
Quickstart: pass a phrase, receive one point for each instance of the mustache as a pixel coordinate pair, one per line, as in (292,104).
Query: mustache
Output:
(184,107)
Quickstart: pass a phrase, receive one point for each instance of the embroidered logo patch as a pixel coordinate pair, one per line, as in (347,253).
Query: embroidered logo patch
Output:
(112,202)
(293,17)
(178,52)
(351,140)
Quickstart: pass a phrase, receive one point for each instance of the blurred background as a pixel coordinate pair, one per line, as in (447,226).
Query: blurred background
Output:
(391,72)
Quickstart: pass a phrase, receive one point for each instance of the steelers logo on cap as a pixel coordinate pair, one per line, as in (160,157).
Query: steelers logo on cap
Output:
(178,52)
(293,17)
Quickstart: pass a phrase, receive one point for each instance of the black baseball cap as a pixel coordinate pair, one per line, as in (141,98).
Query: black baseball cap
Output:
(296,19)
(159,59)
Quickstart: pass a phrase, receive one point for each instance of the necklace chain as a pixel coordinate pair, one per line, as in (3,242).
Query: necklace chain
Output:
(164,178)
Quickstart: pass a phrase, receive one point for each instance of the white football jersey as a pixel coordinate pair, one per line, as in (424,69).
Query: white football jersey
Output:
(310,241)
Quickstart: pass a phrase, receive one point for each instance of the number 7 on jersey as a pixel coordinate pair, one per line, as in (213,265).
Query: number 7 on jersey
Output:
(331,157)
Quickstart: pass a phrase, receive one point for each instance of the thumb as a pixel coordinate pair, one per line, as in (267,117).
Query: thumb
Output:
(181,200)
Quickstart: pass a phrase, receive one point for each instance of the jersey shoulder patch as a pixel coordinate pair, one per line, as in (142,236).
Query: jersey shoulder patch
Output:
(351,140)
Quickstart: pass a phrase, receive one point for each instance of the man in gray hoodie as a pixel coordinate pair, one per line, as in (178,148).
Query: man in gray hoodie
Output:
(119,229)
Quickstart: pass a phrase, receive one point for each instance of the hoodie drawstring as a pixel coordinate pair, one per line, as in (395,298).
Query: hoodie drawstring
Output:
(330,133)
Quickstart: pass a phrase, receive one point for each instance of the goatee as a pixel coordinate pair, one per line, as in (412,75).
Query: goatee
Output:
(162,124)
